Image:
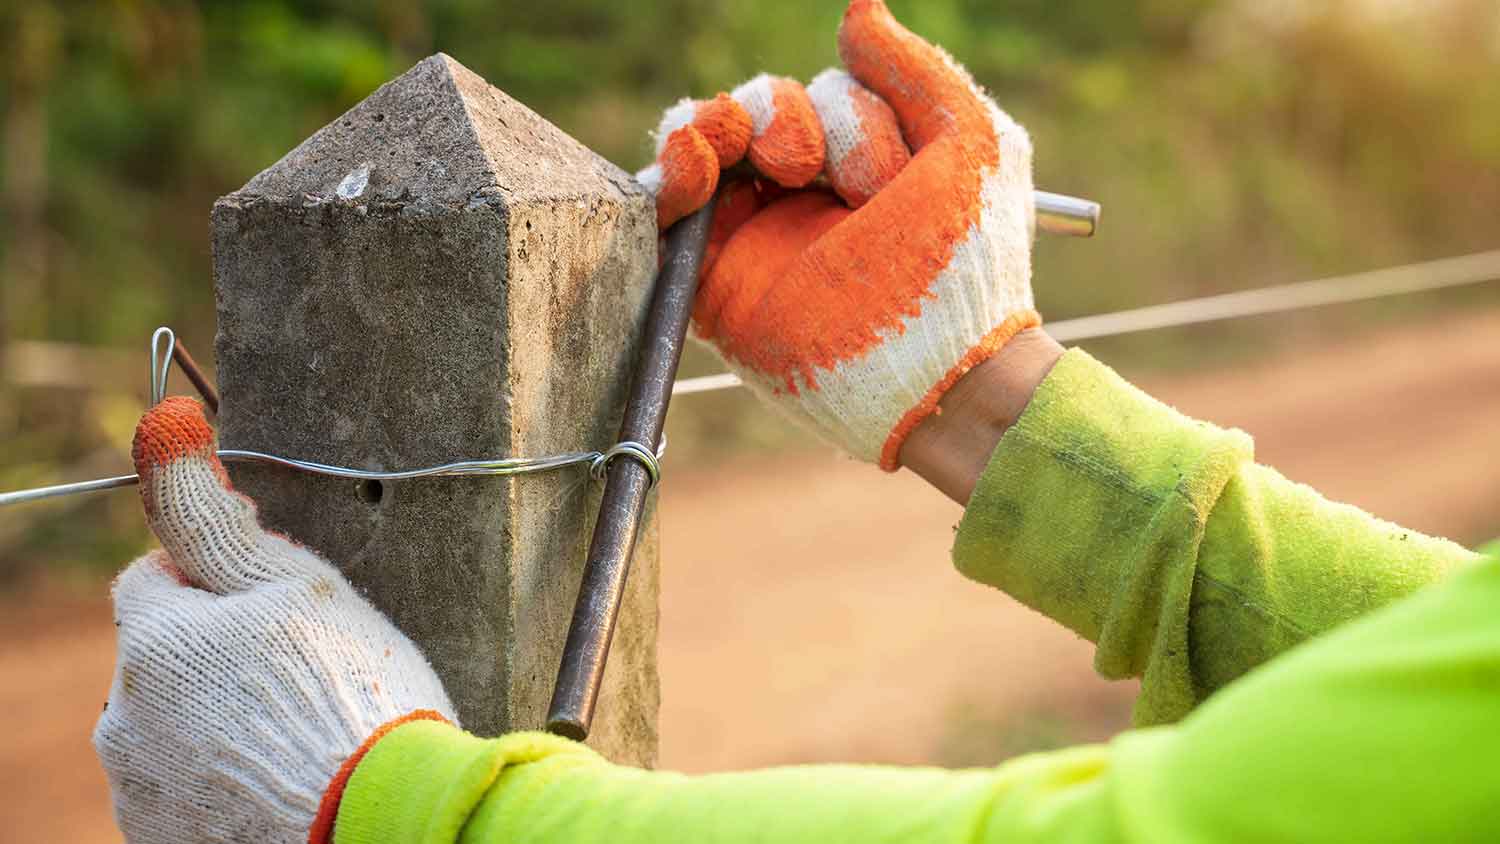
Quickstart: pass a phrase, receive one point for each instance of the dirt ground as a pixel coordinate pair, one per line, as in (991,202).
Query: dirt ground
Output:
(808,609)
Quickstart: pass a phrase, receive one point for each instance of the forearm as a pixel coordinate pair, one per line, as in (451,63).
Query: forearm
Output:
(822,804)
(433,784)
(1380,732)
(1158,538)
(1279,564)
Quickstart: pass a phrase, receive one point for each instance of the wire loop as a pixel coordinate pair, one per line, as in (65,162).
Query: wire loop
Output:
(635,450)
(161,363)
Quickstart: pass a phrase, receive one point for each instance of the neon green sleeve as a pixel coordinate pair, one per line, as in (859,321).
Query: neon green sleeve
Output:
(1381,731)
(1158,538)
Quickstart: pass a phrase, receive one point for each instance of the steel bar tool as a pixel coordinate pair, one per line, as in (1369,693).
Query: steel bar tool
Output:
(628,481)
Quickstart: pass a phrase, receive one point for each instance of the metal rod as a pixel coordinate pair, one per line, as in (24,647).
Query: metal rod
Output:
(1056,213)
(627,483)
(195,374)
(1067,215)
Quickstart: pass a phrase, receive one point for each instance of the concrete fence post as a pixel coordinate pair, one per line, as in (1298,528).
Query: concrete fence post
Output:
(441,274)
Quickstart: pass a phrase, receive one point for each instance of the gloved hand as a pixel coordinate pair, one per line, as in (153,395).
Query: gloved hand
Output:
(249,674)
(854,309)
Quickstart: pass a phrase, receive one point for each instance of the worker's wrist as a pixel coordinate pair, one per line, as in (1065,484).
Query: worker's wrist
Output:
(424,780)
(951,448)
(421,775)
(333,795)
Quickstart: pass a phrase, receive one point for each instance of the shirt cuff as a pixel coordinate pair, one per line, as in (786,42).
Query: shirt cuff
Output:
(420,783)
(1092,506)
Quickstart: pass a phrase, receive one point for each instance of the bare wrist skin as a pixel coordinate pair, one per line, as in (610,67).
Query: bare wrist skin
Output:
(952,447)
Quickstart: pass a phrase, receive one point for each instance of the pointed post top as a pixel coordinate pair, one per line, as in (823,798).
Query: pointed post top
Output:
(439,136)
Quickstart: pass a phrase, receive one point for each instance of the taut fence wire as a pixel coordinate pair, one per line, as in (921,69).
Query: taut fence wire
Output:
(1411,278)
(1464,270)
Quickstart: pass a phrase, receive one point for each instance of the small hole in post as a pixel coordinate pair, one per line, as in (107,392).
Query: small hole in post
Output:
(370,492)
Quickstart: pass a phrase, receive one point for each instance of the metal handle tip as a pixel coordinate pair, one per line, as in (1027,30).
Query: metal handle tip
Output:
(568,729)
(1066,215)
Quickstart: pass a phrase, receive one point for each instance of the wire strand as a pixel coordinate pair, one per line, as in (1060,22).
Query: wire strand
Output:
(1411,278)
(597,460)
(1394,281)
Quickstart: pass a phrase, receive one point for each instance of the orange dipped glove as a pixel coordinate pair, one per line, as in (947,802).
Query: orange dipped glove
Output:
(855,303)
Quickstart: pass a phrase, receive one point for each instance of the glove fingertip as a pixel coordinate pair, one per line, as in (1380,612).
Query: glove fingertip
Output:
(791,150)
(865,147)
(175,429)
(930,92)
(787,143)
(689,175)
(727,127)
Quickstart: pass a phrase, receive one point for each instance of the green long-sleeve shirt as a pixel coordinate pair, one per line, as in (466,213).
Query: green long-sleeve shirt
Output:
(1159,539)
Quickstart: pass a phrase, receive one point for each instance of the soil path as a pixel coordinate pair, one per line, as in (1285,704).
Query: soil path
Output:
(808,609)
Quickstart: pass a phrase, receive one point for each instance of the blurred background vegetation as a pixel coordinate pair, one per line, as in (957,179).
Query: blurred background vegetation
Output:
(1234,143)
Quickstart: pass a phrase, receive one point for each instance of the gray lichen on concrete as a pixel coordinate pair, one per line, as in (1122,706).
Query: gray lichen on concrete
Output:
(442,274)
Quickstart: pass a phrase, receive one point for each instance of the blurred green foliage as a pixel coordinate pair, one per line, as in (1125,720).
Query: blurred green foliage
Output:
(1232,142)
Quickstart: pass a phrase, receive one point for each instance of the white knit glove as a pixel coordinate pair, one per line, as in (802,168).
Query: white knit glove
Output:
(248,669)
(855,309)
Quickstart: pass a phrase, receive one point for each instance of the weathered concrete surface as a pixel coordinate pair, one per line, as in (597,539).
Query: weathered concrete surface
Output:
(441,274)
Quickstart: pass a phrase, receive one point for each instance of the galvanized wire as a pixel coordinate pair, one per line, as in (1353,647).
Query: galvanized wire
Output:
(1412,278)
(163,342)
(461,468)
